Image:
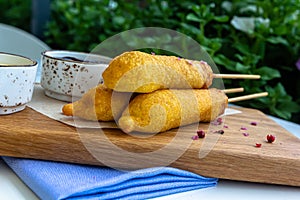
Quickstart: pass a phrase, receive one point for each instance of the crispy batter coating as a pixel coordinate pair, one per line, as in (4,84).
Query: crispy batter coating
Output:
(162,110)
(140,72)
(97,105)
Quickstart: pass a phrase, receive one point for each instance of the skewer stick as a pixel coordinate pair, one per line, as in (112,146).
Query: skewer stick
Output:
(237,76)
(246,97)
(233,90)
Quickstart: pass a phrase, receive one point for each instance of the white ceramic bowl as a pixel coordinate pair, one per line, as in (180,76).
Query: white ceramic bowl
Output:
(17,76)
(67,75)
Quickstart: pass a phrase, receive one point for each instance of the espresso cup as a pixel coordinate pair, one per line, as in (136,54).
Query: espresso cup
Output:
(67,75)
(17,76)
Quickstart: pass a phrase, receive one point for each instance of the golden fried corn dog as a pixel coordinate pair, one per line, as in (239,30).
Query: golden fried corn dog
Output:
(140,72)
(162,110)
(96,105)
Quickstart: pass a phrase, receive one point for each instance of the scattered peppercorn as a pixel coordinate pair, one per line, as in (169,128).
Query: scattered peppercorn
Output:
(253,123)
(243,128)
(270,138)
(220,120)
(201,133)
(215,123)
(246,134)
(219,131)
(195,137)
(225,126)
(258,145)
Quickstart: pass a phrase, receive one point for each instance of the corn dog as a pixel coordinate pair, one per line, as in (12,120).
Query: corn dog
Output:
(96,105)
(140,72)
(162,110)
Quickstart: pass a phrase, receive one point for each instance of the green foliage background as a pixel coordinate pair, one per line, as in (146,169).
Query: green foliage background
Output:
(249,36)
(16,13)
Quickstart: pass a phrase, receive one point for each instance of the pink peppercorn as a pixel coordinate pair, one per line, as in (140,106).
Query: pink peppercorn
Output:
(270,138)
(219,131)
(220,120)
(246,134)
(258,145)
(201,133)
(253,123)
(215,123)
(225,126)
(243,128)
(195,137)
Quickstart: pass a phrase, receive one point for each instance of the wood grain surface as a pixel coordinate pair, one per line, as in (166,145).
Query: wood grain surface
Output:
(29,134)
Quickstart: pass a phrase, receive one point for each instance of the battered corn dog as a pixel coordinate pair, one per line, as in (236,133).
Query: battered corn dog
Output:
(162,110)
(140,72)
(96,105)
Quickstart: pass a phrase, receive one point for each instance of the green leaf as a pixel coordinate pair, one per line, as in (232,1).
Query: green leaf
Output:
(281,30)
(244,24)
(190,29)
(278,40)
(289,106)
(279,90)
(223,18)
(118,20)
(282,113)
(267,73)
(242,47)
(241,68)
(193,17)
(222,60)
(259,47)
(215,44)
(276,93)
(281,103)
(264,100)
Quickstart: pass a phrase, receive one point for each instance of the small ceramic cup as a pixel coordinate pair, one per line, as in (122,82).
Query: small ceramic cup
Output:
(67,75)
(17,76)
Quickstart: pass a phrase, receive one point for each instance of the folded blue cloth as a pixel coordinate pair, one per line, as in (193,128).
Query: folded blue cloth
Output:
(53,180)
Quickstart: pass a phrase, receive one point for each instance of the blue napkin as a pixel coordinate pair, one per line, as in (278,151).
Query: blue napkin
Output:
(53,180)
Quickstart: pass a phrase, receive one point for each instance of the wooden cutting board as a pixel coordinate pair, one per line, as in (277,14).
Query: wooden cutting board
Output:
(231,155)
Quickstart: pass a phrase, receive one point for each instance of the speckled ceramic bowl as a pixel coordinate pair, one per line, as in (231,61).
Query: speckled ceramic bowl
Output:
(67,75)
(17,75)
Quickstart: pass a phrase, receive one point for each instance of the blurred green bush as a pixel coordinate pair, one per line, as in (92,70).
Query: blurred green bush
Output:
(16,13)
(252,37)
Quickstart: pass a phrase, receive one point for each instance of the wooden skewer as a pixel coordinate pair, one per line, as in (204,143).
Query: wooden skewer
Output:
(237,76)
(246,97)
(233,90)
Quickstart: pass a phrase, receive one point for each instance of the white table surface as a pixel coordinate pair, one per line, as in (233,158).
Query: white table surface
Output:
(11,187)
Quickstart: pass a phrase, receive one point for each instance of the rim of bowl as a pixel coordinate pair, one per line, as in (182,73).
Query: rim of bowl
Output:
(34,62)
(105,58)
